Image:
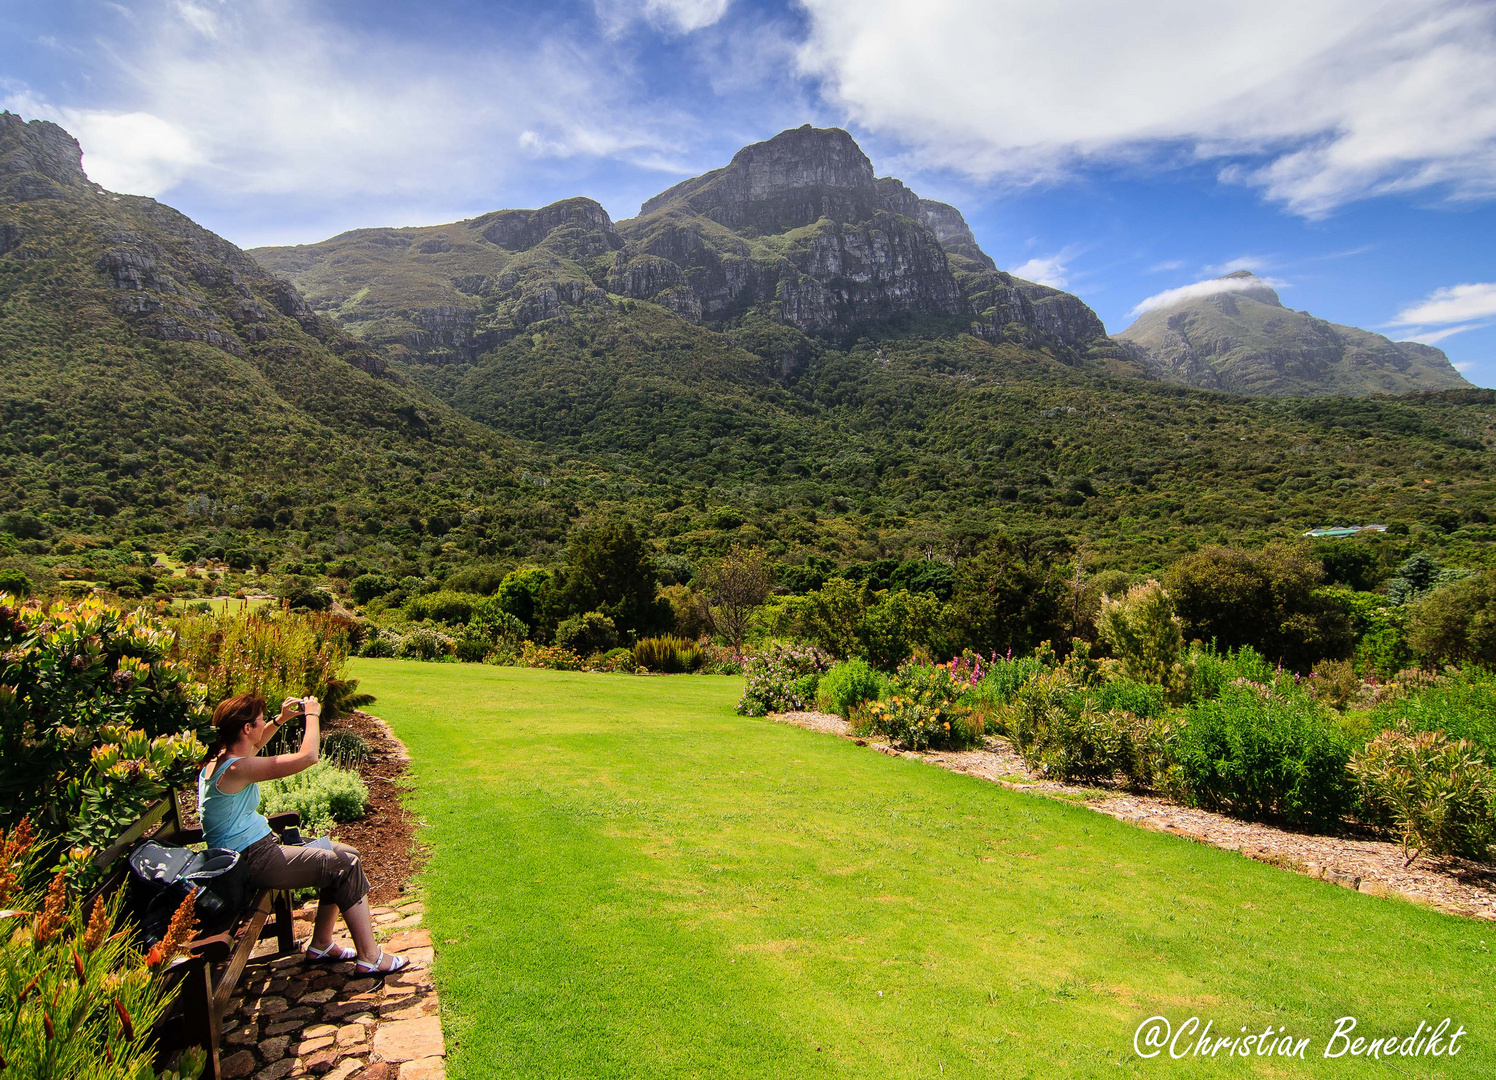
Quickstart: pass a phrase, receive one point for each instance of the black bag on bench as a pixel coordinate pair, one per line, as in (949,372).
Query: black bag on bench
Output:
(161,876)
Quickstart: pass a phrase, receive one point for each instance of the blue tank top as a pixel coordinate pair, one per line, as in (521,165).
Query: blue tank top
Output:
(230,819)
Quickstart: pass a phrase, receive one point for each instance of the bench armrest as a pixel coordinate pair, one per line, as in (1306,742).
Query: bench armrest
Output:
(279,823)
(215,948)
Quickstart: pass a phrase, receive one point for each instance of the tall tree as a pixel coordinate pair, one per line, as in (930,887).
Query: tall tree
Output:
(733,587)
(610,569)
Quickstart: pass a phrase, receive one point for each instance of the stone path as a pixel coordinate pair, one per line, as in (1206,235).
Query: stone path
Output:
(297,1019)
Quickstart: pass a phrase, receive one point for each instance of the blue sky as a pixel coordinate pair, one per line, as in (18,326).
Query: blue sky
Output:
(1345,149)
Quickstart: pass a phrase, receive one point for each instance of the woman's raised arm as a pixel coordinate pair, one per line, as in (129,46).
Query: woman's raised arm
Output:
(248,770)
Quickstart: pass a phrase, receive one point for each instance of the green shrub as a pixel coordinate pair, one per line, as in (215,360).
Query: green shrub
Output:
(617,660)
(1143,700)
(1455,623)
(587,634)
(1063,733)
(323,795)
(344,749)
(445,606)
(1462,704)
(15,582)
(1143,632)
(424,644)
(1435,793)
(1003,679)
(278,655)
(669,654)
(379,644)
(1258,752)
(366,587)
(847,686)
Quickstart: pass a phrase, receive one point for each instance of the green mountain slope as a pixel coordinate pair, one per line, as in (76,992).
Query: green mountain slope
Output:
(1243,340)
(156,379)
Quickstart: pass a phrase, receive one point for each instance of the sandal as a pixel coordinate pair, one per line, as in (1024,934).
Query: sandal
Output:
(333,954)
(397,963)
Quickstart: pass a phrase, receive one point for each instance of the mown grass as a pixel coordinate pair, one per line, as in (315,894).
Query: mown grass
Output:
(626,879)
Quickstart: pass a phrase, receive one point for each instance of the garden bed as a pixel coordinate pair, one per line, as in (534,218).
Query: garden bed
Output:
(1449,884)
(385,835)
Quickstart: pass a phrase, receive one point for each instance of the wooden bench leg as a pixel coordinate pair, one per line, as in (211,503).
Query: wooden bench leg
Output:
(285,930)
(200,1018)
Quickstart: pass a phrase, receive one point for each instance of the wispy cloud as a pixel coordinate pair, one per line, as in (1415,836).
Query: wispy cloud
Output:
(271,97)
(1214,286)
(1164,267)
(1433,337)
(1317,104)
(1255,263)
(1454,303)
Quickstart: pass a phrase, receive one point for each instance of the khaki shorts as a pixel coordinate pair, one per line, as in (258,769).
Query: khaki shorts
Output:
(337,875)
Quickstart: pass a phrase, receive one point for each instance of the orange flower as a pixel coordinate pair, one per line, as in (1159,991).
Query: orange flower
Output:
(98,926)
(183,923)
(12,847)
(54,912)
(127,1029)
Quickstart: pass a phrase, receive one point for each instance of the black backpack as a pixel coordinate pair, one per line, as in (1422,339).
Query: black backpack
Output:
(161,876)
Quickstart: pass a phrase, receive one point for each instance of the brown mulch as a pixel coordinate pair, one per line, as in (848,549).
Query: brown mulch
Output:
(1363,863)
(385,836)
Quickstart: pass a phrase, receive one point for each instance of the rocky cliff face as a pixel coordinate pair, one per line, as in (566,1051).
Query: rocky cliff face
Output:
(1243,340)
(39,160)
(796,229)
(799,229)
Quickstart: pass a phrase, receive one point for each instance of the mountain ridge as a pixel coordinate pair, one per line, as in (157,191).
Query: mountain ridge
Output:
(1240,338)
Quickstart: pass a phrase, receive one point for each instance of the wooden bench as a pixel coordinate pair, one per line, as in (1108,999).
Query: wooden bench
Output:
(207,975)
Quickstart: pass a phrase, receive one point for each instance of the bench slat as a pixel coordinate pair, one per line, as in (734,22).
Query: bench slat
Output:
(133,833)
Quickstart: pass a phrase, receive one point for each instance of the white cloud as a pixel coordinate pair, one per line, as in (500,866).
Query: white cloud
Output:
(1168,264)
(267,97)
(1327,101)
(1185,293)
(1048,270)
(1455,303)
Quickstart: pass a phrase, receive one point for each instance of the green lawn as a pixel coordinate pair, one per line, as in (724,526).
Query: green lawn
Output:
(626,879)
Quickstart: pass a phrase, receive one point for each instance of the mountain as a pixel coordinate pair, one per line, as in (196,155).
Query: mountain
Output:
(796,231)
(158,380)
(422,399)
(1240,338)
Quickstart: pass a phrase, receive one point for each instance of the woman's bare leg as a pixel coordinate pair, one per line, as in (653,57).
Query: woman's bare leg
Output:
(327,914)
(361,926)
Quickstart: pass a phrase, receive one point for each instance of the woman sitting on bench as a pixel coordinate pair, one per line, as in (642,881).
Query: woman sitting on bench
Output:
(228,799)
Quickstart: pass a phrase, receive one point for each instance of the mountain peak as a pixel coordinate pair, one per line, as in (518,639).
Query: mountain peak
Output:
(38,159)
(793,179)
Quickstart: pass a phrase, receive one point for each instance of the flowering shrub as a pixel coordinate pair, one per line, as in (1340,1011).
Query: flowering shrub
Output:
(1435,793)
(554,657)
(923,711)
(96,720)
(423,643)
(77,999)
(783,678)
(722,660)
